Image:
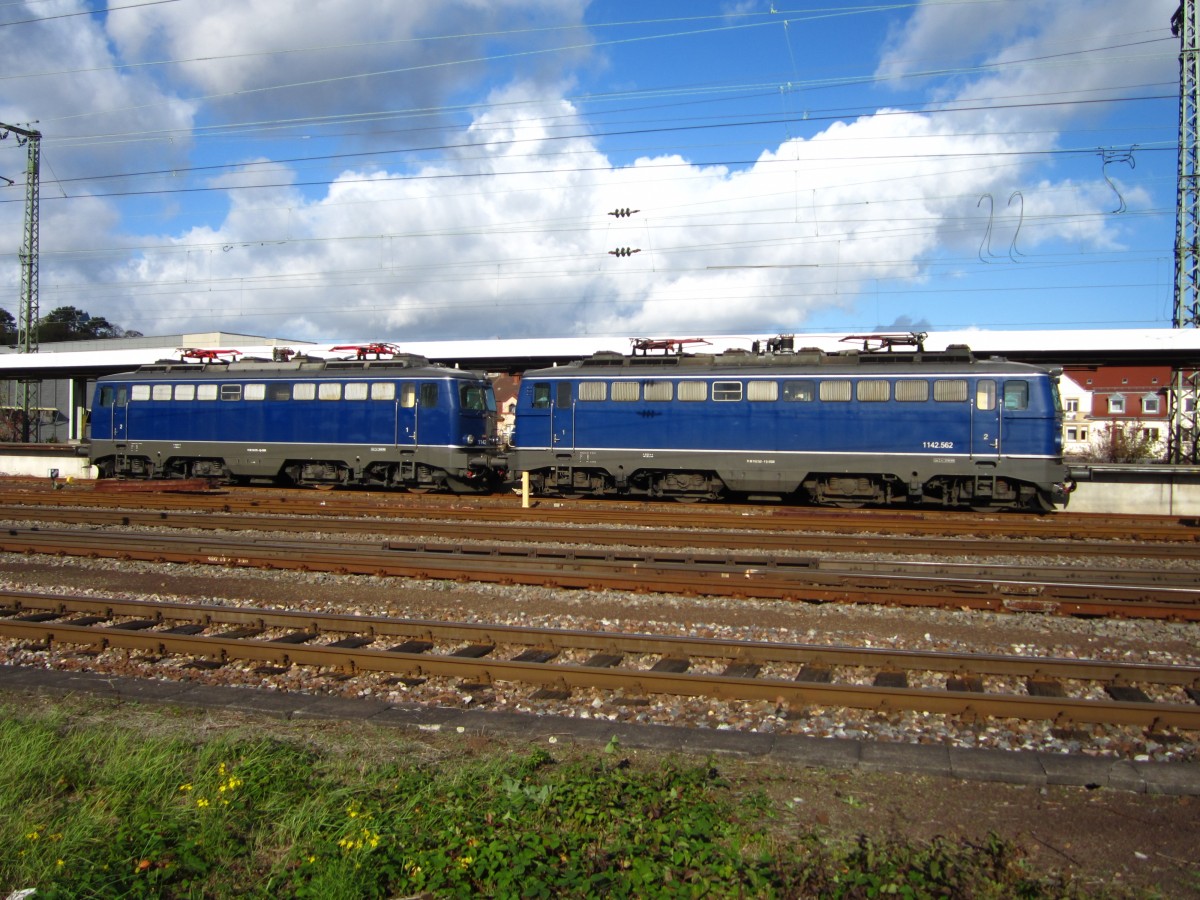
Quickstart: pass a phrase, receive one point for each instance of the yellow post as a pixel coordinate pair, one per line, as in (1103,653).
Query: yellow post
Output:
(524,490)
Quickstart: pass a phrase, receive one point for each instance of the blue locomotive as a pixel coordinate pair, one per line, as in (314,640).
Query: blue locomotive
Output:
(890,423)
(385,422)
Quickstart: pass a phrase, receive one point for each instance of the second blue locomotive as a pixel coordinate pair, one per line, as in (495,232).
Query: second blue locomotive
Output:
(880,426)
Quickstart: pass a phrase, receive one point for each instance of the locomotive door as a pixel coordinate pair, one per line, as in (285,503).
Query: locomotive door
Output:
(562,417)
(115,398)
(986,420)
(406,414)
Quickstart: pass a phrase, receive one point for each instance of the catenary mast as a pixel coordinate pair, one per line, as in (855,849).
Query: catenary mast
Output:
(1183,398)
(27,310)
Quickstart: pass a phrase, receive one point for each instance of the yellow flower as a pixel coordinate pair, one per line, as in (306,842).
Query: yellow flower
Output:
(59,863)
(202,803)
(185,787)
(465,861)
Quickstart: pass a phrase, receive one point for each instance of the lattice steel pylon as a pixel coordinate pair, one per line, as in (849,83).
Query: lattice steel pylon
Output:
(28,313)
(1183,398)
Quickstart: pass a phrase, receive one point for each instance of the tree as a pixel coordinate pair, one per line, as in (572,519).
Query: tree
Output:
(66,323)
(1125,442)
(8,327)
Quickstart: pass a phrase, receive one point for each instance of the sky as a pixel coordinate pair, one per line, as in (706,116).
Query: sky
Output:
(399,170)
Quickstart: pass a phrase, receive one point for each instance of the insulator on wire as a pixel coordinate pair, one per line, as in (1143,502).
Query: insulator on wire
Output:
(625,251)
(624,212)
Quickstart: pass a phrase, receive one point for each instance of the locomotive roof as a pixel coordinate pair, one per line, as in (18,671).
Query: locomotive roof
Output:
(404,365)
(957,359)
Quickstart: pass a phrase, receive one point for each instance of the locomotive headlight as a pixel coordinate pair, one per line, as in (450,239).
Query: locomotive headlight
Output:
(469,440)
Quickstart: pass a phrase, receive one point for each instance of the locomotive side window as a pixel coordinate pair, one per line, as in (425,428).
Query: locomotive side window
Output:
(724,391)
(254,392)
(429,394)
(693,390)
(915,390)
(625,391)
(383,390)
(590,390)
(356,390)
(563,400)
(657,390)
(231,392)
(950,390)
(1016,395)
(279,391)
(304,391)
(327,390)
(206,392)
(799,391)
(541,395)
(874,390)
(140,392)
(835,391)
(185,392)
(161,392)
(472,396)
(985,394)
(408,395)
(762,390)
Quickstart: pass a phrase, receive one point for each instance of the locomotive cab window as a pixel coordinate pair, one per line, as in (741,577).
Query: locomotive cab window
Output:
(563,400)
(541,395)
(231,392)
(429,394)
(985,394)
(1016,395)
(473,396)
(725,391)
(799,391)
(408,395)
(113,396)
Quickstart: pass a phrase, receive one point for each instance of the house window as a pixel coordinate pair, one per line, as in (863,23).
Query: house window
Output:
(1151,405)
(1071,406)
(1150,434)
(1116,405)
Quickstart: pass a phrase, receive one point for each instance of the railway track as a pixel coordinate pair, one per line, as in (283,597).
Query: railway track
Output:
(507,510)
(557,662)
(1124,592)
(532,533)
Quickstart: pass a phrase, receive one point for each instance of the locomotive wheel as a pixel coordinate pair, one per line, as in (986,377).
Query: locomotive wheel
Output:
(686,498)
(324,487)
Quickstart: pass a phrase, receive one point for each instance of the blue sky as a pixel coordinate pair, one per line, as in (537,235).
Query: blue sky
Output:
(446,169)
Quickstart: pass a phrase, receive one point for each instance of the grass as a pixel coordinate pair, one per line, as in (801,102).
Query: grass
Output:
(93,809)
